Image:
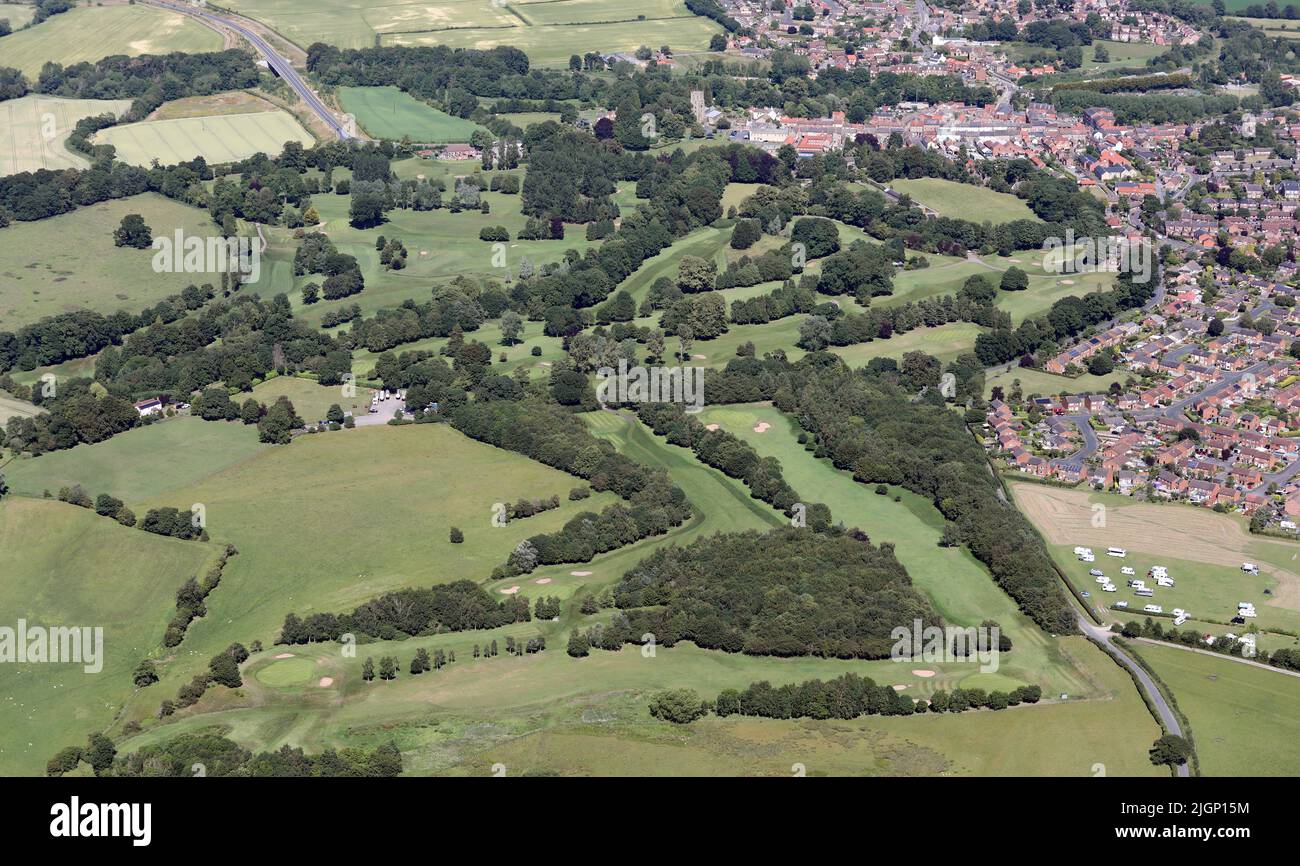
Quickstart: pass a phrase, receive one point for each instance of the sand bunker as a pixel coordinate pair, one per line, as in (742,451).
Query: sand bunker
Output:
(1067,282)
(580,573)
(510,590)
(285,656)
(326,682)
(761,427)
(922,673)
(711,427)
(542,580)
(899,688)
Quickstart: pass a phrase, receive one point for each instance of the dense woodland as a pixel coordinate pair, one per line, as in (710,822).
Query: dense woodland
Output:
(459,606)
(177,756)
(788,592)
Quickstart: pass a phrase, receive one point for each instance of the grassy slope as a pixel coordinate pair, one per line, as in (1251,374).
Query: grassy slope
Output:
(440,244)
(23,125)
(335,519)
(1245,720)
(964,200)
(91,32)
(386,112)
(311,400)
(42,273)
(128,465)
(555,714)
(64,566)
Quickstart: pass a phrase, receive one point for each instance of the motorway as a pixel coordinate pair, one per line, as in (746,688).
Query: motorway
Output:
(278,64)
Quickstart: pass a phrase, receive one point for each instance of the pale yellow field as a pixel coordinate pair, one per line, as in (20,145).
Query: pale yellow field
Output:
(11,407)
(90,33)
(218,139)
(33,129)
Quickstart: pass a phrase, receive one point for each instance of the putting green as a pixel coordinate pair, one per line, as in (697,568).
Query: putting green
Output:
(287,672)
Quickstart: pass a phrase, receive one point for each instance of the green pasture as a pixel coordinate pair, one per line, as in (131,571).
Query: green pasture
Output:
(69,262)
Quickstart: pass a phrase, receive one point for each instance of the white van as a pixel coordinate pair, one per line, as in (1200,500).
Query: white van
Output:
(1145,593)
(1153,608)
(1127,570)
(1095,572)
(1110,587)
(1250,568)
(1116,551)
(1120,604)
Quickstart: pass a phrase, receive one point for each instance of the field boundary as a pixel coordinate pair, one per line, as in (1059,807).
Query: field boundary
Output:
(1194,764)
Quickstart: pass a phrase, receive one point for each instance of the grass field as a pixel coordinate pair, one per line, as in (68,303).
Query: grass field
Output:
(553,714)
(127,466)
(1203,551)
(550,713)
(1042,383)
(442,245)
(946,275)
(69,262)
(1122,55)
(33,130)
(312,400)
(1274,28)
(17,14)
(91,32)
(66,566)
(549,32)
(335,519)
(1245,720)
(553,45)
(945,342)
(525,119)
(386,112)
(964,200)
(218,139)
(520,354)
